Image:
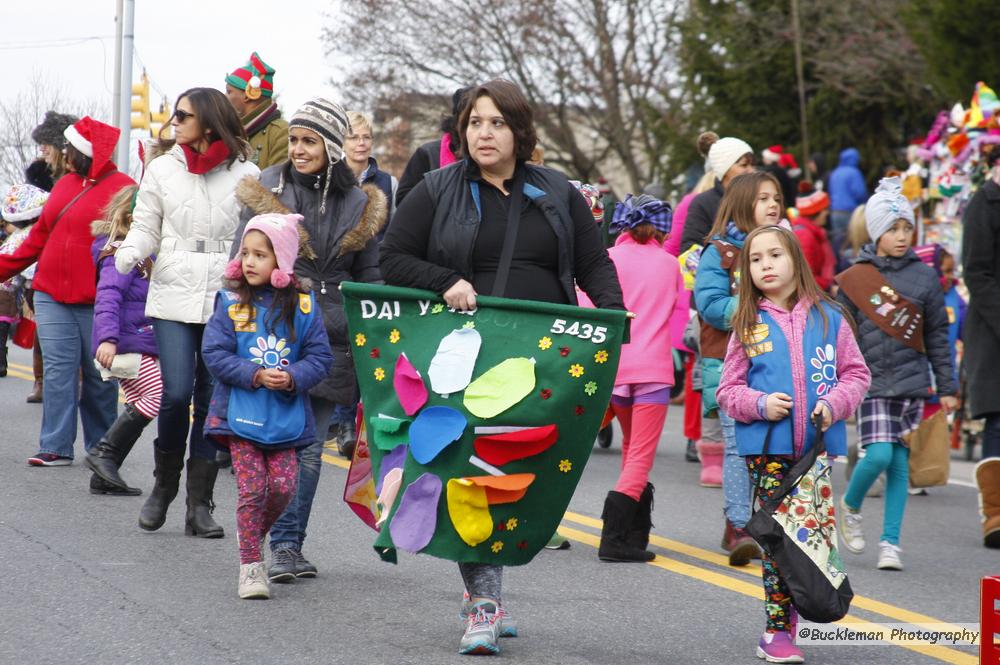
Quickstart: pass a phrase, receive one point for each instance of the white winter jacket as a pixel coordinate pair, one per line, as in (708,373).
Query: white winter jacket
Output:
(188,222)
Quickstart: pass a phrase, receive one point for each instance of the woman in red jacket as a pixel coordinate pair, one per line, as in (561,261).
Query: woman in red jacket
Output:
(64,288)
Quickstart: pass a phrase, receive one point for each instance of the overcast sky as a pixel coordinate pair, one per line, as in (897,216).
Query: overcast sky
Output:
(182,43)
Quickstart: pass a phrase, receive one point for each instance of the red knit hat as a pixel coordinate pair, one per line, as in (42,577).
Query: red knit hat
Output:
(810,202)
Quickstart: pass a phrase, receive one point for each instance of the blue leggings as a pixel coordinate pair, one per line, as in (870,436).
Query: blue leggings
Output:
(894,459)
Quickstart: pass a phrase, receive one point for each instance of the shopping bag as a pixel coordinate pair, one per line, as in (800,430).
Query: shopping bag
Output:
(930,452)
(24,334)
(797,528)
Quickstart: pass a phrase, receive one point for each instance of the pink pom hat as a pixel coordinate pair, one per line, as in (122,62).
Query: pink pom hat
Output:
(283,232)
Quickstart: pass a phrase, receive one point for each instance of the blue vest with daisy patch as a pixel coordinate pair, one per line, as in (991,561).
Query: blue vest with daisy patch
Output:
(771,371)
(261,415)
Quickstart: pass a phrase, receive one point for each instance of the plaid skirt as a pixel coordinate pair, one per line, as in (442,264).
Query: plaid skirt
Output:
(887,419)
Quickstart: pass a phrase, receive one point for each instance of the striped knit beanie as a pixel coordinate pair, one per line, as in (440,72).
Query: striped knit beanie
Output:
(329,120)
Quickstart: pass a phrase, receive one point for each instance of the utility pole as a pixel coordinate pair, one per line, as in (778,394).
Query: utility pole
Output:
(122,115)
(797,39)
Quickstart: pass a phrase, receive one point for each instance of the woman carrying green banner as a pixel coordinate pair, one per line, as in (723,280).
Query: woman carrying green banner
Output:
(493,224)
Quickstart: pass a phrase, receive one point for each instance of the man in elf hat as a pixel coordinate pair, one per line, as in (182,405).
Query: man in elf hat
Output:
(250,89)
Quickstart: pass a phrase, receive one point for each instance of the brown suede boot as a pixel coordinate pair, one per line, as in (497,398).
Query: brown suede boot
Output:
(987,476)
(35,397)
(741,547)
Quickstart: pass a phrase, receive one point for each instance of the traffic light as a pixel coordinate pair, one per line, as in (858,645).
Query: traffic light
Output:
(140,103)
(161,119)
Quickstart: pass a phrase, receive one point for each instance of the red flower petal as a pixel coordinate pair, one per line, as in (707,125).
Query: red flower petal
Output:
(502,526)
(579,410)
(564,351)
(374,353)
(546,393)
(523,545)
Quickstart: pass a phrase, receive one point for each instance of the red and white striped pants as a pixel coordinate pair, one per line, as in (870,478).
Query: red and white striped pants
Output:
(144,391)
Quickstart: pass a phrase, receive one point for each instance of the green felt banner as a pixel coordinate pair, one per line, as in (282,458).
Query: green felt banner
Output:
(479,425)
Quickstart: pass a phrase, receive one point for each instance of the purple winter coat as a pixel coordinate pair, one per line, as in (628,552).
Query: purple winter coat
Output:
(120,307)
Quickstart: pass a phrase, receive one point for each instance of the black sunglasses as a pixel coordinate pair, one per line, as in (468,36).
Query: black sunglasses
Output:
(182,115)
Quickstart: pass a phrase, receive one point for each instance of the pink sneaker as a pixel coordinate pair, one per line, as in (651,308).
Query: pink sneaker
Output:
(779,648)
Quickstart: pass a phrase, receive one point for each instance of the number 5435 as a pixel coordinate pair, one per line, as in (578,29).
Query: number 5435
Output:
(596,334)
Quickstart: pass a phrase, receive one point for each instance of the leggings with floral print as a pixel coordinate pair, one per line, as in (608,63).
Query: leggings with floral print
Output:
(767,474)
(266,482)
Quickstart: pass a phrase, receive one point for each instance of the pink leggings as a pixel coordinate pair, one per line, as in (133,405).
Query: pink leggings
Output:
(266,480)
(642,424)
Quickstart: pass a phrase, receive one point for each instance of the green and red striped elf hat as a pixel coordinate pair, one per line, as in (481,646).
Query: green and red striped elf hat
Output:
(255,78)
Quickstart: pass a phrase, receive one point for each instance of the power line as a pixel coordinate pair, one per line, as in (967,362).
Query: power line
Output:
(51,43)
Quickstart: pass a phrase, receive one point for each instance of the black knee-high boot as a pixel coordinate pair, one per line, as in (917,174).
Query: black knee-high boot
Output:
(168,480)
(114,447)
(4,333)
(201,474)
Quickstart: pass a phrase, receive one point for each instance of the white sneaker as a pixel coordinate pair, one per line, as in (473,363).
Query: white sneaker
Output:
(888,556)
(850,529)
(253,581)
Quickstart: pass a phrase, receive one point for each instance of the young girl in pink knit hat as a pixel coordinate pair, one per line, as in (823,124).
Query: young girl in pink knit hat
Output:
(266,346)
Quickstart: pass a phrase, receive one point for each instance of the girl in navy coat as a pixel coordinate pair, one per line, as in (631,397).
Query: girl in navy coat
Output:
(121,328)
(266,346)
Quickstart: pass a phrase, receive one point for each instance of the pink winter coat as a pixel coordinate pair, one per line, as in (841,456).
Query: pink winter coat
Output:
(741,402)
(651,283)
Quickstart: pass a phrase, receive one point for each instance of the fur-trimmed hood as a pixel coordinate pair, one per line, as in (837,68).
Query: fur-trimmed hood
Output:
(260,199)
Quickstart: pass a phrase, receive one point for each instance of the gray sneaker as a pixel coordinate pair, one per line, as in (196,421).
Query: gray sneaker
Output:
(508,627)
(282,565)
(253,583)
(302,566)
(481,630)
(849,524)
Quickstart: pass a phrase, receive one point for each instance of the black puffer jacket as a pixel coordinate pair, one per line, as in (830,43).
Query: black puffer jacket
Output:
(701,216)
(343,240)
(898,370)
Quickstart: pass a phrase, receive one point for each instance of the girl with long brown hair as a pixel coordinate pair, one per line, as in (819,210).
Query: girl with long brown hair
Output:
(751,200)
(793,358)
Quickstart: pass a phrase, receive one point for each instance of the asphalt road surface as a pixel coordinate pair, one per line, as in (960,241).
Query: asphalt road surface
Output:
(83,584)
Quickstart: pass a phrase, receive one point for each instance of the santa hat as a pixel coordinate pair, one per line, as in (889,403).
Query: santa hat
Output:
(23,203)
(255,78)
(94,139)
(283,232)
(772,154)
(811,202)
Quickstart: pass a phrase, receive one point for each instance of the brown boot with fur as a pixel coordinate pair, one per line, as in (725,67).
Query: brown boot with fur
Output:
(987,476)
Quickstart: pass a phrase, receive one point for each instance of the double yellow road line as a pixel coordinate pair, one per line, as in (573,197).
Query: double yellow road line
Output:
(710,564)
(708,569)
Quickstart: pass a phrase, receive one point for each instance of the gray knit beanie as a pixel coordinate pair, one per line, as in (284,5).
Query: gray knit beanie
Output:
(886,206)
(50,132)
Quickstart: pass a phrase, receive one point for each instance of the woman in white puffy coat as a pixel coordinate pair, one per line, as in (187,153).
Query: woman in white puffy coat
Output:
(186,215)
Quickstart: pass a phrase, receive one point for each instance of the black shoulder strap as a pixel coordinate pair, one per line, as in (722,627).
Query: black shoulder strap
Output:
(76,198)
(795,474)
(510,236)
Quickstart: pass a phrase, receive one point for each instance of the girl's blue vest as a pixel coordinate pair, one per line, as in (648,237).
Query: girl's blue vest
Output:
(261,415)
(771,371)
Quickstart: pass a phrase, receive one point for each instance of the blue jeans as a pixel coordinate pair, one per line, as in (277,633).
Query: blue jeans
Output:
(290,529)
(991,436)
(894,459)
(345,413)
(64,332)
(735,477)
(839,221)
(184,377)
